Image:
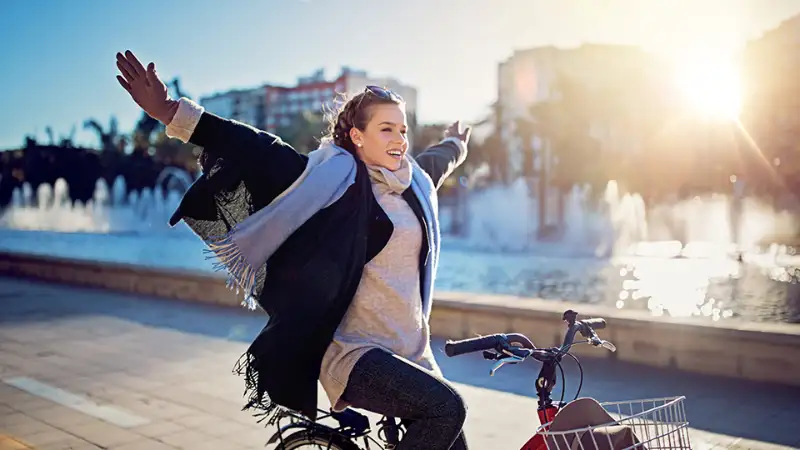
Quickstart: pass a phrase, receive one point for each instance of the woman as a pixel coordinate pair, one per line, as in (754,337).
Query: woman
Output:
(339,247)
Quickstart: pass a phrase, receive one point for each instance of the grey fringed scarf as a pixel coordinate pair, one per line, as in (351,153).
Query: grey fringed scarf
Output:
(330,171)
(248,246)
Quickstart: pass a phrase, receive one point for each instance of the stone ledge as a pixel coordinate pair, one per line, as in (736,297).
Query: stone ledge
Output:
(167,283)
(756,351)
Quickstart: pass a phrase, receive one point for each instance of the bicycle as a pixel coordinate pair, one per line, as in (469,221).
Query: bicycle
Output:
(654,423)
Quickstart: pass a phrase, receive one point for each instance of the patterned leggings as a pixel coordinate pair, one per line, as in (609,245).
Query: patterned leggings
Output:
(389,385)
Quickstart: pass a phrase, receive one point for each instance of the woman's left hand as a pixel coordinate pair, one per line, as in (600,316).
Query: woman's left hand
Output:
(455,130)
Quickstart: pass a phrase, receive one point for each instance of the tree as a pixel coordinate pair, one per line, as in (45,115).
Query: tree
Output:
(304,131)
(109,140)
(427,135)
(493,151)
(568,154)
(143,132)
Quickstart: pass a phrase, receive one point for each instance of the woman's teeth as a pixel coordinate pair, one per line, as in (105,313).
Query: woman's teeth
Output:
(395,153)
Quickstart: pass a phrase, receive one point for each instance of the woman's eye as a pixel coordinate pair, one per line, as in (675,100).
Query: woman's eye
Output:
(387,129)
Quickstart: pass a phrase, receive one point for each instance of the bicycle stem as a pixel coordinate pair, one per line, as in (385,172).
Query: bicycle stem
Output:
(545,383)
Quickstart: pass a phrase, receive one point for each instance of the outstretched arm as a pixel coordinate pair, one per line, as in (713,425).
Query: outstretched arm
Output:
(240,143)
(440,160)
(237,141)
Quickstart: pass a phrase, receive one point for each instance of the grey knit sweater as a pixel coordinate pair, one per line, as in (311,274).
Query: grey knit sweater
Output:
(386,311)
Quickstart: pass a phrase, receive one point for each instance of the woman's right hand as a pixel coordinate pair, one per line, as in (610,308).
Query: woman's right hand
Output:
(145,87)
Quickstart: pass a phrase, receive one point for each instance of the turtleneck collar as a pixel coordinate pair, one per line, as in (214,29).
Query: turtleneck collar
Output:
(396,180)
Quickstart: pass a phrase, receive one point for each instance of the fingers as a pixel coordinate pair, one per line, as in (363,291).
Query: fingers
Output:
(124,84)
(124,66)
(137,66)
(452,130)
(455,130)
(152,76)
(126,72)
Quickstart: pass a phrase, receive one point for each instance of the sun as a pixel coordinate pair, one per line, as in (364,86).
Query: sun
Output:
(711,88)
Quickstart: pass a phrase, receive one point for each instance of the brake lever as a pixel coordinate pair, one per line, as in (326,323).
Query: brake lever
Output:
(608,346)
(491,356)
(504,361)
(597,342)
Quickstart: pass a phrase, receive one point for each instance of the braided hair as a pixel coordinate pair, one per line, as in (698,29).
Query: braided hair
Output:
(353,113)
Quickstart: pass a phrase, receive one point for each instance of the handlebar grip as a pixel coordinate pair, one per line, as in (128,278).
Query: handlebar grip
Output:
(455,348)
(596,323)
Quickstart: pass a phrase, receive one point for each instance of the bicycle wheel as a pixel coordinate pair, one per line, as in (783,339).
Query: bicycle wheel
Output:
(316,439)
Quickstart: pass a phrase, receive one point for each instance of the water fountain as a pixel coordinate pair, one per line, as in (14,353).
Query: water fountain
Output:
(108,211)
(668,259)
(505,218)
(499,218)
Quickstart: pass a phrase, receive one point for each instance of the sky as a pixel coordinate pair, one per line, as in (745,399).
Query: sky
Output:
(57,57)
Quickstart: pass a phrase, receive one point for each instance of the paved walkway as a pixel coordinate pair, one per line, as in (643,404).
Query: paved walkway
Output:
(87,369)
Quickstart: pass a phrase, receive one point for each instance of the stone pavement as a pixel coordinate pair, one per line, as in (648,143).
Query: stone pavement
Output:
(88,369)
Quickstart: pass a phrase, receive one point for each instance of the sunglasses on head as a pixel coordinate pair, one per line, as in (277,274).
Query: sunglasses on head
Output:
(383,93)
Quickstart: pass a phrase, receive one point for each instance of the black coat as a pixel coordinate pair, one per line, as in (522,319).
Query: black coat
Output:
(313,276)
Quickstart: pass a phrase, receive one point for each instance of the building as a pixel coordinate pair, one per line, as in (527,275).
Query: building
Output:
(787,32)
(772,60)
(269,107)
(530,76)
(770,64)
(244,105)
(771,93)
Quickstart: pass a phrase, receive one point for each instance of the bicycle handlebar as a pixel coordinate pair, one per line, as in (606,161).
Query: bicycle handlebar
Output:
(492,341)
(585,328)
(598,323)
(455,348)
(504,342)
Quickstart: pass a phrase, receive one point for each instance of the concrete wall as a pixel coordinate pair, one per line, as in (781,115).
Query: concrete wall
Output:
(755,351)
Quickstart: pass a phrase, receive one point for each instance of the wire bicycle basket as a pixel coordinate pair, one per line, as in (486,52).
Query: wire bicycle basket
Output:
(652,424)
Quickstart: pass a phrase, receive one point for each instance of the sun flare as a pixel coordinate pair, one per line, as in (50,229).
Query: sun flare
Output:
(712,89)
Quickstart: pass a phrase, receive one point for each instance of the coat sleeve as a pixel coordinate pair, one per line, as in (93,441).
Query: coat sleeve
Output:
(276,164)
(440,160)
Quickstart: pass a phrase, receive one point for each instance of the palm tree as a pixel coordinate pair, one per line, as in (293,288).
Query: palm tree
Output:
(541,126)
(562,125)
(109,140)
(51,137)
(493,151)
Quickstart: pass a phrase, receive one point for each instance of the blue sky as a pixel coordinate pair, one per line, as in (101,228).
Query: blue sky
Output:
(57,56)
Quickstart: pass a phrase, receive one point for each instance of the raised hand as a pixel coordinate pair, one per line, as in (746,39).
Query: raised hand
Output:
(454,130)
(145,87)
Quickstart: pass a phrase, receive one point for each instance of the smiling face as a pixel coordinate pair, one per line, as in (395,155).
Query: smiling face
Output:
(383,141)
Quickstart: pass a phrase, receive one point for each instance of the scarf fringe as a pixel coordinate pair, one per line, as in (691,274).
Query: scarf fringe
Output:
(241,275)
(265,409)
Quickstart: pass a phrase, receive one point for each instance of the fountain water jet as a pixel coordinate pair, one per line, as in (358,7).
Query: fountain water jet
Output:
(505,218)
(109,210)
